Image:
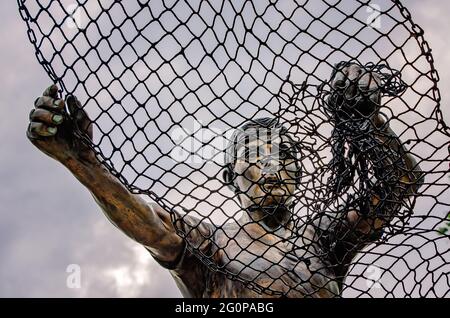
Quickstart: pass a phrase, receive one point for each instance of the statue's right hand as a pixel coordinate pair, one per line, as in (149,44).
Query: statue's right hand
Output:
(56,129)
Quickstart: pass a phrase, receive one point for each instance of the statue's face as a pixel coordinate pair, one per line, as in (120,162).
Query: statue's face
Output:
(266,171)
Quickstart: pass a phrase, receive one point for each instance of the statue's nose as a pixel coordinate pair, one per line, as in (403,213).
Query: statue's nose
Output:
(270,164)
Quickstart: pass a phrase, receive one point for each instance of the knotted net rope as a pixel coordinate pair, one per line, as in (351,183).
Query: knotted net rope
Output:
(166,83)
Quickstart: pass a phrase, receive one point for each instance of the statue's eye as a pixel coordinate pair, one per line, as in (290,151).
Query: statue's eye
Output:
(286,151)
(286,155)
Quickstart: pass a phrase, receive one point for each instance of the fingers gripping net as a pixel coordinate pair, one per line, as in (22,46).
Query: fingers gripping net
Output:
(166,83)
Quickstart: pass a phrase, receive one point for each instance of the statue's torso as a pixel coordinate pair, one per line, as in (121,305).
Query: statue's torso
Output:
(280,263)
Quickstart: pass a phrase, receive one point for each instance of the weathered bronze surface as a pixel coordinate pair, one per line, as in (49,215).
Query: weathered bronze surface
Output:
(259,246)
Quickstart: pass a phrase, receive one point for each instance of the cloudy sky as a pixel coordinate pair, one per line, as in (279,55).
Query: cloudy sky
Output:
(49,221)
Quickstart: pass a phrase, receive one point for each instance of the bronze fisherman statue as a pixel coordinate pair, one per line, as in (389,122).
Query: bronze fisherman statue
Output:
(260,245)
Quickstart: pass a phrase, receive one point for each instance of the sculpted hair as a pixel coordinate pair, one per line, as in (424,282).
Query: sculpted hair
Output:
(231,149)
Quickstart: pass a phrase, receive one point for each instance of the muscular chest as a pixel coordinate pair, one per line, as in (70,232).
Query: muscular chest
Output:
(276,263)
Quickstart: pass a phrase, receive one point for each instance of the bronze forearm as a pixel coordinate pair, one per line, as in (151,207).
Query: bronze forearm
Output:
(410,173)
(146,223)
(396,177)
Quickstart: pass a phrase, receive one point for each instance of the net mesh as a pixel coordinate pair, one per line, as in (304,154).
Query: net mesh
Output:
(167,84)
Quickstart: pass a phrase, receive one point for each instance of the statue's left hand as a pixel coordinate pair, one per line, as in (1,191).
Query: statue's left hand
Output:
(355,90)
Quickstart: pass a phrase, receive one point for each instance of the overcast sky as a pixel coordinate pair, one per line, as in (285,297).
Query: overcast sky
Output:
(49,221)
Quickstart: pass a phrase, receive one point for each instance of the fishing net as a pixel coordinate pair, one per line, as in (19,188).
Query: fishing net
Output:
(169,84)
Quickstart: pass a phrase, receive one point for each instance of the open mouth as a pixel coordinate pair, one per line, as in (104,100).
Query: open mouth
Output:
(270,184)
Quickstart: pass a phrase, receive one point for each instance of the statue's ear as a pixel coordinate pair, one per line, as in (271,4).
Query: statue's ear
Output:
(298,175)
(228,178)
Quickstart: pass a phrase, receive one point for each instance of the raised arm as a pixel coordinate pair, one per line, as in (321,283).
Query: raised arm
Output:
(55,128)
(386,172)
(369,161)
